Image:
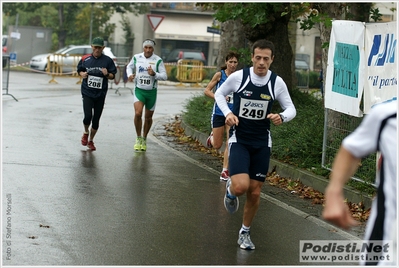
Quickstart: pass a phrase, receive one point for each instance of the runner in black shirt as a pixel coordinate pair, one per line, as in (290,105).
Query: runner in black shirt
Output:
(95,69)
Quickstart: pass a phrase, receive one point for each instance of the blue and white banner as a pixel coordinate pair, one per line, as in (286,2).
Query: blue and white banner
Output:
(362,63)
(345,67)
(381,74)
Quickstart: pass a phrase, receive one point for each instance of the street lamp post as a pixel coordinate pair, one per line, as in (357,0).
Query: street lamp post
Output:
(91,22)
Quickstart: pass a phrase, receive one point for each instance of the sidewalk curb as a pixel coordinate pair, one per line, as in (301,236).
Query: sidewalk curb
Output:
(318,183)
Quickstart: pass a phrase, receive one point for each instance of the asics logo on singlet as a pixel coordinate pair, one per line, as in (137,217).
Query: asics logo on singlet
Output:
(247,93)
(261,175)
(252,104)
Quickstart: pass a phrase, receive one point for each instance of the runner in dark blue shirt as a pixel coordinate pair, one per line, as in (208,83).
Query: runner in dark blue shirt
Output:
(95,69)
(254,90)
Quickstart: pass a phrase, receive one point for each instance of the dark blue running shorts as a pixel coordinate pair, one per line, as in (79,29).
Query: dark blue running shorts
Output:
(218,121)
(252,160)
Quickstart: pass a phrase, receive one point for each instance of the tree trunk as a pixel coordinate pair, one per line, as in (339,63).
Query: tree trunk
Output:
(292,27)
(334,11)
(276,30)
(232,37)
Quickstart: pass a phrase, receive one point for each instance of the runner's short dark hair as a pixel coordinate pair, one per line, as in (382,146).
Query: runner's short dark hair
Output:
(263,44)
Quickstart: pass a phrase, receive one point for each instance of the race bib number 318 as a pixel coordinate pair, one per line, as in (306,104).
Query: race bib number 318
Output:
(95,82)
(144,80)
(253,109)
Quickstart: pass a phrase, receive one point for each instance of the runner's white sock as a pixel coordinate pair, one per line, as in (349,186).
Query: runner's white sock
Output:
(244,229)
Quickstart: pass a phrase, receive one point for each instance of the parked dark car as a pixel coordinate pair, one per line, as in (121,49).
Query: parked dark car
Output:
(185,54)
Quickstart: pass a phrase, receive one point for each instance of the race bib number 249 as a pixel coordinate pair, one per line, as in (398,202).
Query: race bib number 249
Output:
(253,109)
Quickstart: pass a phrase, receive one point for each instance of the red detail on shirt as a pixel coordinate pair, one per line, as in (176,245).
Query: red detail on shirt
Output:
(85,56)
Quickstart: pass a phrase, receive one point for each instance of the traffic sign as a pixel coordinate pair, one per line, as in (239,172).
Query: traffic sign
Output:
(155,20)
(13,56)
(15,35)
(213,30)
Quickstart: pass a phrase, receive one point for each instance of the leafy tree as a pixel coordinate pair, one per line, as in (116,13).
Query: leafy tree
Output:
(71,21)
(259,21)
(129,35)
(243,23)
(322,14)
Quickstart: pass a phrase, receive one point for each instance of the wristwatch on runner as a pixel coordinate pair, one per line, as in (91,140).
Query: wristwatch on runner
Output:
(282,117)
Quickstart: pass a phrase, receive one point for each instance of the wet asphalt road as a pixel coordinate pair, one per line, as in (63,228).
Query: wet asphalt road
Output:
(66,205)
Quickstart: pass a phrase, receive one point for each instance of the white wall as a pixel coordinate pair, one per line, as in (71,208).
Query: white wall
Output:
(141,29)
(305,43)
(385,9)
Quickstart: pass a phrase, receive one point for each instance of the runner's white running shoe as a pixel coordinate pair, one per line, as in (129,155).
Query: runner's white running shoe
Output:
(244,240)
(231,202)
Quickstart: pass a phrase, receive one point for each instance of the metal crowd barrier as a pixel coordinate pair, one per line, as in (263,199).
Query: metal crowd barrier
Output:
(302,76)
(121,73)
(6,75)
(63,65)
(189,71)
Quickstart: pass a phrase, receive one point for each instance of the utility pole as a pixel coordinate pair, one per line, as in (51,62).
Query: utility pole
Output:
(16,31)
(91,23)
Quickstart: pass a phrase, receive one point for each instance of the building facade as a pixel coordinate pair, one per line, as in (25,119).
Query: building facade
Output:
(185,26)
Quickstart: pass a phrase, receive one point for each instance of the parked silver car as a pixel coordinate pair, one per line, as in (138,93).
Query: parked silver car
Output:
(69,56)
